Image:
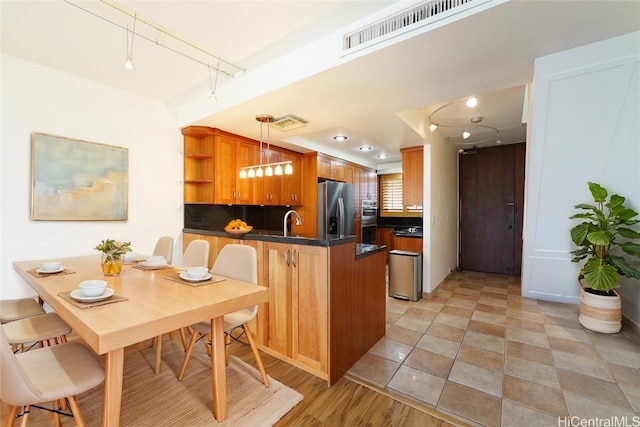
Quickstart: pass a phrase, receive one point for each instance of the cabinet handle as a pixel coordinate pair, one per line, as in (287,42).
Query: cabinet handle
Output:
(293,258)
(286,258)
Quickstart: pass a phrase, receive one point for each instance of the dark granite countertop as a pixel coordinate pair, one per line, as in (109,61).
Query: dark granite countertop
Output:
(363,249)
(277,237)
(415,234)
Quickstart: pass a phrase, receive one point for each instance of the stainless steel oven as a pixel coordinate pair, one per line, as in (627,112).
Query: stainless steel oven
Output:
(369,220)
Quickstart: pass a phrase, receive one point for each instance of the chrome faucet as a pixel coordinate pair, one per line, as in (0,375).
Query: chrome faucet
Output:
(286,217)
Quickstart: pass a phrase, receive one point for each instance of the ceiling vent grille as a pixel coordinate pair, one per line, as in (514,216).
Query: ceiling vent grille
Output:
(419,15)
(288,122)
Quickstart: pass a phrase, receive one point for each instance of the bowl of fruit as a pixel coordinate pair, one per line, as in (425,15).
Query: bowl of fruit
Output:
(237,226)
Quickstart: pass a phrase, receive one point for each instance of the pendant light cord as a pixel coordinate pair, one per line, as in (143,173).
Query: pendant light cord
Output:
(133,33)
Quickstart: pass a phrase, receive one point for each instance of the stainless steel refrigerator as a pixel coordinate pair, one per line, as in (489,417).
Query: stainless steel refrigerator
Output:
(336,209)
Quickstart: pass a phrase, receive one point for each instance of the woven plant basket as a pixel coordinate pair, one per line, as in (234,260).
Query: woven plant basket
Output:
(600,313)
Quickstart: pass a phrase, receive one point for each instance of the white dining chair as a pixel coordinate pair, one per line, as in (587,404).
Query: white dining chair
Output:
(238,262)
(48,374)
(195,255)
(164,247)
(15,309)
(43,329)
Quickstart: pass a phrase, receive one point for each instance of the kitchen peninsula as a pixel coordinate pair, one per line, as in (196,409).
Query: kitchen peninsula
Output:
(327,297)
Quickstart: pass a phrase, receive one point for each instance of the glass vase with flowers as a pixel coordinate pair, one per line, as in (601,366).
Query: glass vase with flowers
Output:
(112,252)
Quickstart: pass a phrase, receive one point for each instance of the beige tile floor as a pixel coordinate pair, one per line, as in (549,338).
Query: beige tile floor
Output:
(478,351)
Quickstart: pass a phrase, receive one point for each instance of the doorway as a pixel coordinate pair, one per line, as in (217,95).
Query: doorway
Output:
(490,208)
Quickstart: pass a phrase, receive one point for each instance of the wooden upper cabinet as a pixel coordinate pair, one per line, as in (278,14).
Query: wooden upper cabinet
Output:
(247,153)
(331,168)
(198,164)
(224,166)
(372,184)
(267,190)
(212,162)
(412,176)
(291,190)
(230,154)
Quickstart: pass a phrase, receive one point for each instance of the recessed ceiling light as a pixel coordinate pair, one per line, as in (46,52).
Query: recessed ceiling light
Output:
(364,148)
(472,102)
(382,156)
(340,138)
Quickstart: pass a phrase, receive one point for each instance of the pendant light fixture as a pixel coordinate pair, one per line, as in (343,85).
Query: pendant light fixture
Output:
(128,64)
(213,86)
(265,169)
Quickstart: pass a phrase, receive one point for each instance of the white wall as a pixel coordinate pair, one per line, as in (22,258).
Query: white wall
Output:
(39,99)
(440,217)
(584,127)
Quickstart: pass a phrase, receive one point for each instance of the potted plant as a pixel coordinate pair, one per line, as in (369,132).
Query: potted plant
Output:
(603,238)
(112,252)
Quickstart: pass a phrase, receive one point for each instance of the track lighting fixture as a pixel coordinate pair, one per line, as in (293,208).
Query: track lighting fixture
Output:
(150,32)
(474,120)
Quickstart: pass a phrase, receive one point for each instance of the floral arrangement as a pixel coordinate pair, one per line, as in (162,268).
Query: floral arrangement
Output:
(113,249)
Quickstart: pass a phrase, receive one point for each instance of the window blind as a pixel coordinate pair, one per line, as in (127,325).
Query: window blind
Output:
(391,193)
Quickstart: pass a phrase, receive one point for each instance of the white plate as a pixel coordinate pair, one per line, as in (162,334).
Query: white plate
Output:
(58,270)
(77,295)
(152,264)
(185,276)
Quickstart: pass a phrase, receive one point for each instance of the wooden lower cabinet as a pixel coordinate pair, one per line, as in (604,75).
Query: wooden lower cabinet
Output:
(413,244)
(326,308)
(298,323)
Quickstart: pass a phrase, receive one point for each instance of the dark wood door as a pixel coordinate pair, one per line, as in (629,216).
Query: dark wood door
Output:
(491,202)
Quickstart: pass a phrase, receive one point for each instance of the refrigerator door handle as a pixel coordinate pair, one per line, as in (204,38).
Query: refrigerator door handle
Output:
(340,217)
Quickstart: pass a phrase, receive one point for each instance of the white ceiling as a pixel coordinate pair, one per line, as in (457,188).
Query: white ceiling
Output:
(382,99)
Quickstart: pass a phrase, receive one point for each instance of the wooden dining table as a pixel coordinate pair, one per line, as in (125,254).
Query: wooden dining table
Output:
(150,306)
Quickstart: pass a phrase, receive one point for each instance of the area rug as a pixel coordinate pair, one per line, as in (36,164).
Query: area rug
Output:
(162,400)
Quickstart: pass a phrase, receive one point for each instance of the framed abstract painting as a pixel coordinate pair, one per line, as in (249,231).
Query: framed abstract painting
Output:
(75,180)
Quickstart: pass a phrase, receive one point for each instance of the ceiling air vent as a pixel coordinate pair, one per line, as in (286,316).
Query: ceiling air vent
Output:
(287,122)
(422,14)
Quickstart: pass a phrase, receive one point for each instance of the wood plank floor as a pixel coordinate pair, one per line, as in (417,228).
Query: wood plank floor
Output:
(347,403)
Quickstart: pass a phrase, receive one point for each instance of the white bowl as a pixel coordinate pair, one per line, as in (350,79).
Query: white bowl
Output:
(93,288)
(51,266)
(128,257)
(197,272)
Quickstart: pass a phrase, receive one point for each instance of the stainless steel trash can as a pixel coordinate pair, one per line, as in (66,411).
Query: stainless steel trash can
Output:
(405,275)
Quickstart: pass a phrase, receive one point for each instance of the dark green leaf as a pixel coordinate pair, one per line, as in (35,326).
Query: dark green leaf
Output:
(624,268)
(615,202)
(599,193)
(582,215)
(628,233)
(631,248)
(584,206)
(627,213)
(579,233)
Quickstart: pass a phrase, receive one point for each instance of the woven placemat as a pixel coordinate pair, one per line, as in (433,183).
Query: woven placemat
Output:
(33,272)
(115,298)
(175,277)
(161,267)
